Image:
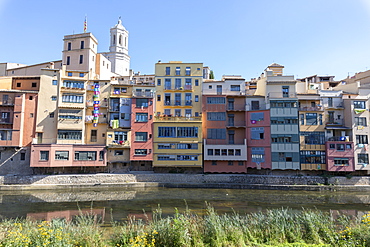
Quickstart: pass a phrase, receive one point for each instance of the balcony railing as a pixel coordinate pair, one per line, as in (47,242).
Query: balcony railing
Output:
(282,95)
(235,124)
(236,107)
(143,94)
(8,102)
(178,103)
(338,138)
(335,122)
(119,144)
(176,119)
(311,108)
(6,121)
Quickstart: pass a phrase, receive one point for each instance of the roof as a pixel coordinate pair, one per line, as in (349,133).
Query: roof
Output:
(275,65)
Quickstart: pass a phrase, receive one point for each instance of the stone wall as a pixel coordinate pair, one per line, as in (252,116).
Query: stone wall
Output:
(97,179)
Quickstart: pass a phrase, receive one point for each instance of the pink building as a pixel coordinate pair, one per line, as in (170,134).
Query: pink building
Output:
(258,137)
(67,155)
(340,155)
(141,151)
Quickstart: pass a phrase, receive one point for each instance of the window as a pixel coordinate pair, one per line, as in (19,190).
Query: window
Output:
(210,87)
(216,116)
(158,82)
(166,157)
(285,90)
(257,133)
(73,84)
(187,71)
(101,155)
(178,83)
(72,98)
(82,44)
(257,116)
(81,59)
(313,157)
(61,155)
(363,158)
(141,117)
(141,136)
(158,97)
(5,135)
(187,132)
(311,118)
(216,100)
(210,152)
(332,146)
(187,157)
(166,131)
(118,152)
(94,135)
(341,161)
(19,84)
(34,84)
(230,163)
(196,99)
(70,74)
(168,70)
(167,83)
(258,154)
(69,46)
(196,82)
(69,134)
(120,136)
(187,146)
(340,147)
(44,155)
(361,139)
(85,155)
(360,121)
(235,87)
(237,152)
(178,70)
(82,74)
(140,151)
(214,163)
(23,156)
(51,115)
(330,102)
(314,137)
(359,104)
(68,61)
(54,82)
(142,102)
(216,133)
(165,146)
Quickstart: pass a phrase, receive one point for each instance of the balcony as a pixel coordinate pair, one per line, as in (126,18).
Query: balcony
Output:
(236,107)
(311,108)
(91,104)
(6,121)
(334,107)
(337,122)
(119,144)
(8,102)
(235,124)
(142,94)
(170,118)
(338,138)
(281,95)
(178,103)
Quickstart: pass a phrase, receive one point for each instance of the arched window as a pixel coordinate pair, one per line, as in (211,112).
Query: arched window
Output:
(125,41)
(120,39)
(114,39)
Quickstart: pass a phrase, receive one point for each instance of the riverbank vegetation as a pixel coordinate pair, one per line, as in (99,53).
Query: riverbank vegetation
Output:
(278,227)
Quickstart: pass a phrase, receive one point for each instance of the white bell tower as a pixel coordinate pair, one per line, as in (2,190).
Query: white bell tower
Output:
(118,50)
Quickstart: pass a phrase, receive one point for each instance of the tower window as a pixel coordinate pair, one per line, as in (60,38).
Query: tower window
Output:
(68,60)
(120,39)
(114,39)
(69,46)
(82,44)
(81,59)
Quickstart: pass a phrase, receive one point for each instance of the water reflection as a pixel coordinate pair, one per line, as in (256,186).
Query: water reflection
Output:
(120,204)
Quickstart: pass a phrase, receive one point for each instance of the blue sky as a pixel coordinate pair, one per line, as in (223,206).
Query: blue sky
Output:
(231,37)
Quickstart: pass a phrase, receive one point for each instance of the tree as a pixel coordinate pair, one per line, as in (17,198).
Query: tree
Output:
(211,75)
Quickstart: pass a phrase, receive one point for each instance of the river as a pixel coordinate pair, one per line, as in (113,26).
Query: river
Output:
(119,204)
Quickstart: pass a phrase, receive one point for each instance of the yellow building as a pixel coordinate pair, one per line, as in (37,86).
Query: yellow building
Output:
(177,124)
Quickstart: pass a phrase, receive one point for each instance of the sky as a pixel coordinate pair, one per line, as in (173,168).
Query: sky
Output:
(233,37)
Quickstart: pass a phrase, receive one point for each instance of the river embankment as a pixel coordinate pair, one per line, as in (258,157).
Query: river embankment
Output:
(142,179)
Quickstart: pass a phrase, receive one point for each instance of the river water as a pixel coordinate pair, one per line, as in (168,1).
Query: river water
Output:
(119,204)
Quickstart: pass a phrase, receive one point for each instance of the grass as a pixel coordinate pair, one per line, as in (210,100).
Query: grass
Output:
(277,227)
